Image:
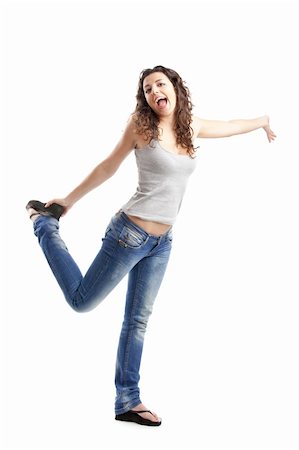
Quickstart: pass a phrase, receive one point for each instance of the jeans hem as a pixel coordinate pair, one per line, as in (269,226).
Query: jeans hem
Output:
(127,408)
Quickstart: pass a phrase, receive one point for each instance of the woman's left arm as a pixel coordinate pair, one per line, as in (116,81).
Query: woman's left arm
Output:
(219,128)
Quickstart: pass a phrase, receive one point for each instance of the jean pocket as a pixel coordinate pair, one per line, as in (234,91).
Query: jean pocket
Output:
(108,229)
(130,238)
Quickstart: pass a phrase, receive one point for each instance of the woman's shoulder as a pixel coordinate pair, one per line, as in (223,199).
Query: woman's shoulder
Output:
(130,130)
(195,125)
(140,140)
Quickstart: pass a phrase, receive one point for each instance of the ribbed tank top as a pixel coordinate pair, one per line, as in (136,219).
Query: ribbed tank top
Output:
(162,180)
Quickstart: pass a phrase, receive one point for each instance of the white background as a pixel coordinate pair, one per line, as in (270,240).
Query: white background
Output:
(220,362)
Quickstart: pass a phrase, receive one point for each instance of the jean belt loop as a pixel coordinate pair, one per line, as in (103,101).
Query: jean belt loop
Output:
(113,227)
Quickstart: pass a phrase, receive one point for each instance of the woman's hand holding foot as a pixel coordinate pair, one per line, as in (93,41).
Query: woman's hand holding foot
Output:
(60,201)
(36,208)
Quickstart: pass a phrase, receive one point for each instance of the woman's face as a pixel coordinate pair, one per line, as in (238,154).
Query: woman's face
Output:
(159,93)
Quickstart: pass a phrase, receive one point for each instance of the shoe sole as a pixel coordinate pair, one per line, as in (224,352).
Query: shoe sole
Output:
(54,210)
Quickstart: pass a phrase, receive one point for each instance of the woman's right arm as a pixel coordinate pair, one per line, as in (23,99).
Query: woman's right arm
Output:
(103,171)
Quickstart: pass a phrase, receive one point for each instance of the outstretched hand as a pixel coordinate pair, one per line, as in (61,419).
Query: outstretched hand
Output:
(270,134)
(61,201)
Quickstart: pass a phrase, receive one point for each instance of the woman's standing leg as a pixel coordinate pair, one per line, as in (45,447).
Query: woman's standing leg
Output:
(143,286)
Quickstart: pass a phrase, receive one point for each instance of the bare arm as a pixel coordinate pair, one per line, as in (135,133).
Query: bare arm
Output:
(219,128)
(102,172)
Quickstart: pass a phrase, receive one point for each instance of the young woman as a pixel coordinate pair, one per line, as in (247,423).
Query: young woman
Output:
(138,239)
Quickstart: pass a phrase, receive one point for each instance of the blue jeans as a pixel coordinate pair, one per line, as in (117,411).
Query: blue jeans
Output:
(126,249)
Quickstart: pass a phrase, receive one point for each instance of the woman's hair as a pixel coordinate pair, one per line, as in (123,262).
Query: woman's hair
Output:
(147,120)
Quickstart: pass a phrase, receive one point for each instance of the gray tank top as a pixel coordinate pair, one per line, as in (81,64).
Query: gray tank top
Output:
(162,180)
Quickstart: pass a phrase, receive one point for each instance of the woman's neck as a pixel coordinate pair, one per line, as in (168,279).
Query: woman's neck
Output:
(166,122)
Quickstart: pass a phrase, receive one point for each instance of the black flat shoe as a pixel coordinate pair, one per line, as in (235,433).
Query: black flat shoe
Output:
(133,416)
(54,210)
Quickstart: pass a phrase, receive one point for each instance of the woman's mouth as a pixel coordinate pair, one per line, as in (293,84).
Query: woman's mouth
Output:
(161,102)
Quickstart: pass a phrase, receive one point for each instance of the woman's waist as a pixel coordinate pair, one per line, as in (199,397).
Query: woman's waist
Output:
(154,228)
(148,226)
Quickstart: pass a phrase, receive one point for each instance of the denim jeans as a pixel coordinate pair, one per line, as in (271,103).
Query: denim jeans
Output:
(126,249)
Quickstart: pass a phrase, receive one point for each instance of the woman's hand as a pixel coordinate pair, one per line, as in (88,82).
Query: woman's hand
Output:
(61,201)
(270,134)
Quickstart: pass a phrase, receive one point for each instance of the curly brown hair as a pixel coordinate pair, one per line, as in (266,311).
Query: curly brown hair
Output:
(147,120)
